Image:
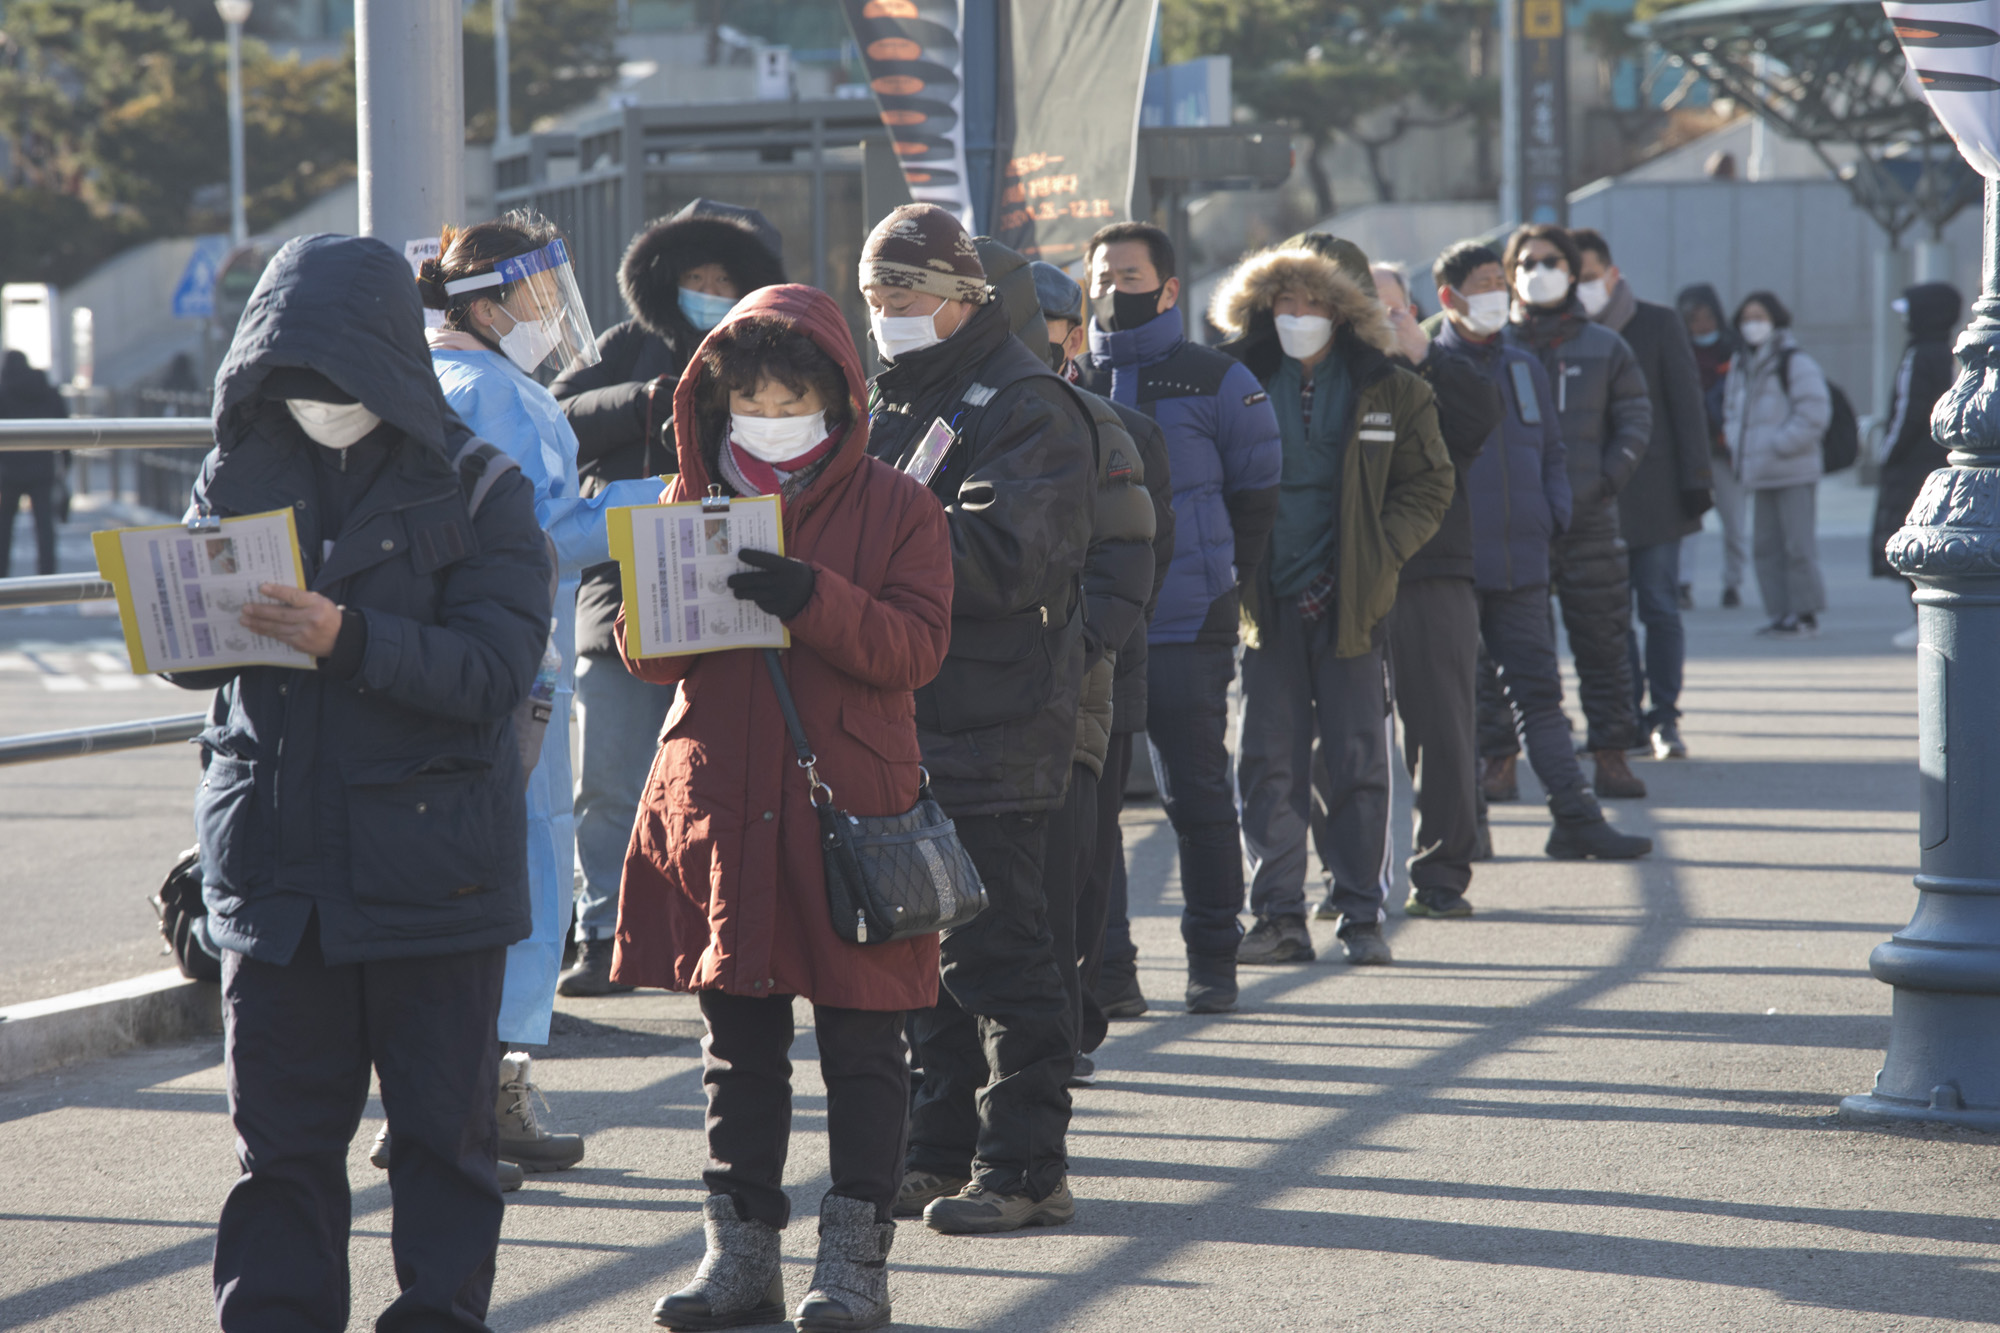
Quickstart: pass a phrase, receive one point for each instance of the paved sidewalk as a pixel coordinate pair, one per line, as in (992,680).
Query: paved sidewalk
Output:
(1604,1103)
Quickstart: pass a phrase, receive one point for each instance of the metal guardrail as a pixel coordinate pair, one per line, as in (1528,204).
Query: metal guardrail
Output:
(56,589)
(101,740)
(106,433)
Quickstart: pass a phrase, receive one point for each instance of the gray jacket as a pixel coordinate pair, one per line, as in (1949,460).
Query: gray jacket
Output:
(1775,422)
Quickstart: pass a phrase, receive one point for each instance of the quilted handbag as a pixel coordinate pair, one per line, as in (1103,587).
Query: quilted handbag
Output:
(888,877)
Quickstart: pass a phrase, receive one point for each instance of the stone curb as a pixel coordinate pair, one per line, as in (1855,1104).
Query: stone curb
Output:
(149,1010)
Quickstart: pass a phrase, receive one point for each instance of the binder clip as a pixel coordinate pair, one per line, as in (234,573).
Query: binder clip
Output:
(715,502)
(200,519)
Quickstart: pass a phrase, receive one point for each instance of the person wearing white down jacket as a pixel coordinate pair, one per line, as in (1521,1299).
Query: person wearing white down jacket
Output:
(1776,408)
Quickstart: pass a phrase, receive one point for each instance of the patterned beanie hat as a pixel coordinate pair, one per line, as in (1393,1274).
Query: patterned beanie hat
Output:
(922,247)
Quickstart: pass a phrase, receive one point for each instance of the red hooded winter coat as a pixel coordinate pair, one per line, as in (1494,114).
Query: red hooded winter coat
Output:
(724,884)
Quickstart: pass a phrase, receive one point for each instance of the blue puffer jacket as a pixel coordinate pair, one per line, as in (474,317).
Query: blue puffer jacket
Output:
(1225,455)
(388,803)
(1519,484)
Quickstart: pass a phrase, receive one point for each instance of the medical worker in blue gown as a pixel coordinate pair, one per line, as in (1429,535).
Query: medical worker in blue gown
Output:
(512,320)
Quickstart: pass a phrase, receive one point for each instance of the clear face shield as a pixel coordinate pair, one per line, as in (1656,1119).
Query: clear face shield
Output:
(543,327)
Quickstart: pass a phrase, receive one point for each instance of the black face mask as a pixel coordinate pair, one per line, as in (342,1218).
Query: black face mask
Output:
(1118,311)
(1056,357)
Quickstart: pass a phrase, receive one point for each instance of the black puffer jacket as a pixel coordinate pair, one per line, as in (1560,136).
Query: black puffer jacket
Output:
(623,428)
(1669,489)
(1607,422)
(1128,682)
(1468,408)
(1926,372)
(998,725)
(387,801)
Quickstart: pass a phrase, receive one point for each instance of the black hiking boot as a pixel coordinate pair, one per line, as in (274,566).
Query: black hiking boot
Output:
(1581,832)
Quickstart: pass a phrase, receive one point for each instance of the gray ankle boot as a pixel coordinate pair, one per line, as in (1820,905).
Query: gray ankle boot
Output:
(739,1281)
(850,1287)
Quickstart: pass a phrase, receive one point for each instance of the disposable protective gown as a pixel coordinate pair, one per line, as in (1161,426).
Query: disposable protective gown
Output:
(513,412)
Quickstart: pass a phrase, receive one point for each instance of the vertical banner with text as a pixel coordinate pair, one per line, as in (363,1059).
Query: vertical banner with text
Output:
(1073,79)
(915,56)
(1957,63)
(1543,69)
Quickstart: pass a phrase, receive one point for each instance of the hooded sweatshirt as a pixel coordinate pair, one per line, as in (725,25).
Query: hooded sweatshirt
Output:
(1924,375)
(386,803)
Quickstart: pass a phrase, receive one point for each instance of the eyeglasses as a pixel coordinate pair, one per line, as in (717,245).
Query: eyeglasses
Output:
(1546,261)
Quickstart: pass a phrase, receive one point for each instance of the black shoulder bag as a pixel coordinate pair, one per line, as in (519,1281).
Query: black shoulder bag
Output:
(888,877)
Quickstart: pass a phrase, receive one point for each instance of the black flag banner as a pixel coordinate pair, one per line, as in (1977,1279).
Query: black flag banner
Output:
(915,57)
(1062,81)
(1071,77)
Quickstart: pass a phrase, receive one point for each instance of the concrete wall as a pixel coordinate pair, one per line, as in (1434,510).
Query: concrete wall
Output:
(1803,240)
(131,295)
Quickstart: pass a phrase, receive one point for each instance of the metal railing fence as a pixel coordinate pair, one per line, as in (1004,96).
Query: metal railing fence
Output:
(92,434)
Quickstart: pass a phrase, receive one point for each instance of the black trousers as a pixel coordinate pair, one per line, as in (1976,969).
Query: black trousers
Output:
(1434,667)
(1103,892)
(1521,687)
(1593,582)
(1120,957)
(1066,880)
(298,1042)
(747,1069)
(1187,724)
(41,498)
(998,1048)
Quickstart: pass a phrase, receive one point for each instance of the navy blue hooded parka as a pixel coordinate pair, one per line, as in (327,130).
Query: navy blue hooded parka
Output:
(390,802)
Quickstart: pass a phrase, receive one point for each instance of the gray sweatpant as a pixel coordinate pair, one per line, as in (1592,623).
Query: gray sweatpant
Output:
(1295,689)
(1787,547)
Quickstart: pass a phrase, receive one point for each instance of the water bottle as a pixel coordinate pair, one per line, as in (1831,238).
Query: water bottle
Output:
(542,694)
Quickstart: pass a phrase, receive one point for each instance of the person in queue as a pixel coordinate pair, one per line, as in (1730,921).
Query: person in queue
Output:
(1606,420)
(1776,407)
(362,831)
(1226,456)
(1910,453)
(1117,583)
(1668,492)
(511,312)
(724,890)
(1102,906)
(1366,482)
(1517,491)
(1715,345)
(679,277)
(1007,449)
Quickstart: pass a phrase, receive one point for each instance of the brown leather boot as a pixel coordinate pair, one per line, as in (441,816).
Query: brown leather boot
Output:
(1615,779)
(1500,780)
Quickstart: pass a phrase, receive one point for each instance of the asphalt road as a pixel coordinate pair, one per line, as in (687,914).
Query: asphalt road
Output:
(1606,1102)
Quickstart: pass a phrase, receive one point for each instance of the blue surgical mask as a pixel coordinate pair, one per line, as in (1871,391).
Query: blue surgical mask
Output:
(1709,339)
(705,311)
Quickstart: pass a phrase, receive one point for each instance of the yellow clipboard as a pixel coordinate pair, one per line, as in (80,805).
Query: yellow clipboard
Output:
(194,578)
(672,563)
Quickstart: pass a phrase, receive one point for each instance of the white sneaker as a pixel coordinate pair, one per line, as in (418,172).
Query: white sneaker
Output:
(1906,639)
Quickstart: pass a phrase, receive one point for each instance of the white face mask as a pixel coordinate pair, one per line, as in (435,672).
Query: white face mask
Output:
(1541,286)
(1485,313)
(528,344)
(335,425)
(777,440)
(1756,332)
(1594,295)
(899,335)
(1303,335)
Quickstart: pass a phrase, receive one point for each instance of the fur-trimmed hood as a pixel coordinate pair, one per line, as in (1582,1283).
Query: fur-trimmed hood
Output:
(742,240)
(1243,301)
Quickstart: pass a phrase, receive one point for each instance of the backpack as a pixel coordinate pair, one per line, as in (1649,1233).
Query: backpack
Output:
(1840,447)
(179,903)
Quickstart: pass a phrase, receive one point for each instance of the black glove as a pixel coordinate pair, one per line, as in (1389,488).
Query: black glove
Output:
(1696,503)
(1597,492)
(779,585)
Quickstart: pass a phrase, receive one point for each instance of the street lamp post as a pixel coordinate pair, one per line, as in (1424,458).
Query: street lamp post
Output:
(503,92)
(1943,1061)
(235,13)
(409,74)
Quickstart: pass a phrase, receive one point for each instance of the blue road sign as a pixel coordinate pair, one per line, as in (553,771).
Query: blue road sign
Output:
(194,295)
